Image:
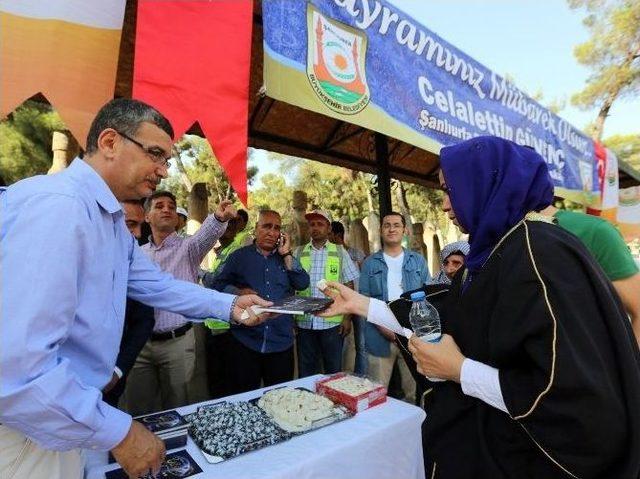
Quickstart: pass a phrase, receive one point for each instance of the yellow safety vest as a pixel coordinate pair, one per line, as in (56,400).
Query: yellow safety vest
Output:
(332,269)
(218,324)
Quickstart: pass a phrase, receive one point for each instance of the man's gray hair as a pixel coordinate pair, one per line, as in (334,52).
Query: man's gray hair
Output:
(125,115)
(261,213)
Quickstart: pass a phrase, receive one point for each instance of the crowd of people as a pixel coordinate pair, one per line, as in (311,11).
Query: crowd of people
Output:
(538,354)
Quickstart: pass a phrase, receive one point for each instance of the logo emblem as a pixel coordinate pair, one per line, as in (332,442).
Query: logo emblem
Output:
(336,63)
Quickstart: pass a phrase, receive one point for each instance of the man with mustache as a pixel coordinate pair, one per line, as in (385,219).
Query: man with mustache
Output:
(68,264)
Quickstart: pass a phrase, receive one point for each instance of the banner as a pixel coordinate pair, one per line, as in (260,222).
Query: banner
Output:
(192,63)
(629,213)
(609,186)
(368,63)
(65,49)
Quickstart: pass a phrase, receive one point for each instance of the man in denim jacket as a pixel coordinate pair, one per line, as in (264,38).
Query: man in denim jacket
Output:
(386,275)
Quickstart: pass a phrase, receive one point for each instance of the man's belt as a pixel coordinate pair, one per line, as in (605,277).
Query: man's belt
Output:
(176,333)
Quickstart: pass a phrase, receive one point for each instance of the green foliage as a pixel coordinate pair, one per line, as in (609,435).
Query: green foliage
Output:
(341,191)
(274,194)
(201,166)
(425,204)
(25,141)
(611,52)
(626,148)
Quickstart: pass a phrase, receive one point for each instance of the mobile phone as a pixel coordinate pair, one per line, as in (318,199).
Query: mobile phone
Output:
(280,240)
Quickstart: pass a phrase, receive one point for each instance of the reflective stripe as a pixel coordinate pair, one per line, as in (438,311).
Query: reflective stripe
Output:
(217,324)
(332,269)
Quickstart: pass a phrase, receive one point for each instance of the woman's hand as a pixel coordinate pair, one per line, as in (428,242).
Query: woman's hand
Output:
(345,301)
(442,360)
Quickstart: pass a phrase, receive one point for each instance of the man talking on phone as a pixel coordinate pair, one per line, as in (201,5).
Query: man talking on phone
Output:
(268,268)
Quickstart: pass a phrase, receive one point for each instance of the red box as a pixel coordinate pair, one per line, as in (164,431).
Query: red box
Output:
(355,404)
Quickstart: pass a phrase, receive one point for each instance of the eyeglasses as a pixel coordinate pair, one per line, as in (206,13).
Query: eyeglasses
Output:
(154,152)
(388,226)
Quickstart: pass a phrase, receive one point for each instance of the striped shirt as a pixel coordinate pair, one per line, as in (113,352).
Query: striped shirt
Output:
(349,272)
(182,257)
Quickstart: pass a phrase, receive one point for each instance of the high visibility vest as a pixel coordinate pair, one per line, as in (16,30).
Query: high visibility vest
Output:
(332,268)
(218,324)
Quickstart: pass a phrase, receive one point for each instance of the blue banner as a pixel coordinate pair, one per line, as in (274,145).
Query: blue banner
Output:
(361,55)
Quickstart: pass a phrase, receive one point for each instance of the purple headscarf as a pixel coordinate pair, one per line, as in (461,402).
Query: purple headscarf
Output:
(493,183)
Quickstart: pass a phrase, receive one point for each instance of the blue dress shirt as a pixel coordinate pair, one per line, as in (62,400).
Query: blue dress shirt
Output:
(266,275)
(67,264)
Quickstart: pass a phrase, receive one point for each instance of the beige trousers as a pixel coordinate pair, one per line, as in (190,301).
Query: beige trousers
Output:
(159,378)
(380,369)
(20,458)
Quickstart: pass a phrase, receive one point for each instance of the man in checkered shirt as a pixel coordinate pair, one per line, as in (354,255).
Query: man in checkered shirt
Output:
(166,364)
(320,340)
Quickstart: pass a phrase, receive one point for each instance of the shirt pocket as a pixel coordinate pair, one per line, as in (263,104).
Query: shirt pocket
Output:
(119,298)
(375,284)
(413,277)
(281,279)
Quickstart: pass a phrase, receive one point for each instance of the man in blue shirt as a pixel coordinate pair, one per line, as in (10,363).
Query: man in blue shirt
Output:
(386,275)
(267,268)
(68,264)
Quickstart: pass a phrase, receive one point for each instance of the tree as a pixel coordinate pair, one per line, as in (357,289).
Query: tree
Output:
(612,53)
(199,165)
(339,190)
(25,141)
(626,148)
(274,194)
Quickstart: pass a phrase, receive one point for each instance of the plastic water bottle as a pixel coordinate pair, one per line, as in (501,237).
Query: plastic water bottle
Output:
(424,318)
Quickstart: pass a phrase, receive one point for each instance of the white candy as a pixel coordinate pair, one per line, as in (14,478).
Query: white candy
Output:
(322,284)
(351,385)
(296,410)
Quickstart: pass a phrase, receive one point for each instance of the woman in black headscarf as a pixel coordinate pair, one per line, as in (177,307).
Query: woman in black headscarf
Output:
(542,368)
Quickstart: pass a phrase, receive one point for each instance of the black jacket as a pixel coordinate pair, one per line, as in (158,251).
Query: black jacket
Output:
(138,326)
(542,312)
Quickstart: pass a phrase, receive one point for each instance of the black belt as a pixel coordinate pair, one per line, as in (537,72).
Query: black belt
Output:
(176,333)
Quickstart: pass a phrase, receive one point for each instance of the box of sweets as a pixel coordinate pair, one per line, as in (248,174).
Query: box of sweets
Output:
(353,392)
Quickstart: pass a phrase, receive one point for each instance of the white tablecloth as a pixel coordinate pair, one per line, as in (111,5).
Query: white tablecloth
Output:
(382,442)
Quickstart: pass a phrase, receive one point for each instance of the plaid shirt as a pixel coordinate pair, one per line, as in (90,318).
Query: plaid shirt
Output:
(182,257)
(349,272)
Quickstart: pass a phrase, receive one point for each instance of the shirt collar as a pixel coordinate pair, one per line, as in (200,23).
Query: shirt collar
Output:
(322,247)
(168,241)
(257,250)
(96,186)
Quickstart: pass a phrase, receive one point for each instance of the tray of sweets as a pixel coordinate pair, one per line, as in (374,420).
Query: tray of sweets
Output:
(225,430)
(298,410)
(353,392)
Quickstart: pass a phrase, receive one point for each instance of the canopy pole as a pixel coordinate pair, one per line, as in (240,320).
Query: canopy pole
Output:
(384,180)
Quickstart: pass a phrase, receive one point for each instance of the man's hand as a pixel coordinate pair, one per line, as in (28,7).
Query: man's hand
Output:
(442,360)
(285,244)
(245,291)
(114,380)
(243,304)
(345,326)
(345,301)
(225,211)
(140,451)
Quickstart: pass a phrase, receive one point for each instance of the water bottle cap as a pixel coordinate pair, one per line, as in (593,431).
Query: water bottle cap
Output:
(418,295)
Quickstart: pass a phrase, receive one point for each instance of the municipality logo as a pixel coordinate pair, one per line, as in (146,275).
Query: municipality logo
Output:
(336,63)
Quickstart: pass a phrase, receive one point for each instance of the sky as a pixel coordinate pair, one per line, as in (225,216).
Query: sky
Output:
(530,40)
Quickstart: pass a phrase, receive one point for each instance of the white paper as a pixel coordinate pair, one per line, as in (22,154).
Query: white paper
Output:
(380,314)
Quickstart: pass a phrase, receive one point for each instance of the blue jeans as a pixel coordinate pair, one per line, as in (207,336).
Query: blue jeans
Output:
(319,351)
(361,363)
